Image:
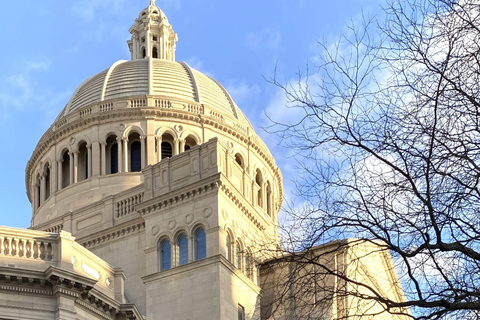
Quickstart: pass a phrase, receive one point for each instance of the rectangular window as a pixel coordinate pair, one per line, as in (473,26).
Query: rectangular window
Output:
(154,38)
(241,312)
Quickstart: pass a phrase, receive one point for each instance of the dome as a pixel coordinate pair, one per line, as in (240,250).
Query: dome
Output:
(149,112)
(174,83)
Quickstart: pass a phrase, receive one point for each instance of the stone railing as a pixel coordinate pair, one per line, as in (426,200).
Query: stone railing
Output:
(55,229)
(106,106)
(193,108)
(34,250)
(126,206)
(85,112)
(19,243)
(163,104)
(138,103)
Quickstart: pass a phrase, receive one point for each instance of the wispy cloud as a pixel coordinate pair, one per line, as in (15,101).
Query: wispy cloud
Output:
(243,91)
(197,64)
(18,89)
(266,38)
(86,9)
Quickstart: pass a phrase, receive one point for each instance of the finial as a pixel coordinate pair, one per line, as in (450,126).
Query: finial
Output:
(152,2)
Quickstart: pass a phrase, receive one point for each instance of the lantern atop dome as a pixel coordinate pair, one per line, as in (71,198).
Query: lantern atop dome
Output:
(152,35)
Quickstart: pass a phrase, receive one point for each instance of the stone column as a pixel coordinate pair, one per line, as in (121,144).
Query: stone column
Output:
(182,145)
(90,164)
(125,155)
(95,159)
(142,151)
(150,150)
(43,187)
(60,174)
(53,178)
(176,143)
(120,154)
(75,167)
(103,158)
(71,167)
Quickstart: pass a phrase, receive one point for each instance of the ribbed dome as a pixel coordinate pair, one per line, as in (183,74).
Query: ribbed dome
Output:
(156,77)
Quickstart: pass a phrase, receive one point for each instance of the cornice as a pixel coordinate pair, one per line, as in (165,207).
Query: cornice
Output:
(107,235)
(178,196)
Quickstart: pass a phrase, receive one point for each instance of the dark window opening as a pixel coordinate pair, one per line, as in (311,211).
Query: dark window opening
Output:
(114,158)
(144,53)
(154,53)
(135,157)
(166,150)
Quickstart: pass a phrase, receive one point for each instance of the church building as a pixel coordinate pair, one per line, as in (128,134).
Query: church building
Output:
(152,198)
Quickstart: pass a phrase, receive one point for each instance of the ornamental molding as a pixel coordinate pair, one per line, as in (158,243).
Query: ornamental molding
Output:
(108,235)
(154,204)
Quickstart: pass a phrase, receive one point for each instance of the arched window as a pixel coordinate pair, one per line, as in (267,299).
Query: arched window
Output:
(239,160)
(259,183)
(229,244)
(135,156)
(249,264)
(165,255)
(65,169)
(144,53)
(112,155)
(200,244)
(166,150)
(182,249)
(47,182)
(154,53)
(190,142)
(239,255)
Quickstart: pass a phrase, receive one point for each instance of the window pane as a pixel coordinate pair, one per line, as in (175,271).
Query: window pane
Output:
(200,244)
(166,150)
(135,156)
(183,249)
(165,255)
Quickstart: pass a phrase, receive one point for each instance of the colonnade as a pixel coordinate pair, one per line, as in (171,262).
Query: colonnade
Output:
(96,158)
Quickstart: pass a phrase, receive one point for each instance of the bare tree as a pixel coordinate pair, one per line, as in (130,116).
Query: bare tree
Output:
(388,143)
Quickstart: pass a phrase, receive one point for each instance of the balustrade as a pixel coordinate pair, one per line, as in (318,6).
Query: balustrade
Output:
(126,206)
(26,248)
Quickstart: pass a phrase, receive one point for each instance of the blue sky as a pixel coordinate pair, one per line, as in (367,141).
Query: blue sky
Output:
(49,47)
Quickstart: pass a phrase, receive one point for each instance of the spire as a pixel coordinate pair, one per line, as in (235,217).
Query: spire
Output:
(152,35)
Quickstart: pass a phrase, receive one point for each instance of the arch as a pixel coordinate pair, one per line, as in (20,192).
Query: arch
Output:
(240,160)
(190,141)
(155,53)
(229,245)
(65,158)
(164,254)
(200,243)
(144,52)
(167,146)
(132,129)
(134,152)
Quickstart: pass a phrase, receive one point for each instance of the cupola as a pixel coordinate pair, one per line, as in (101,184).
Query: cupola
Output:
(152,35)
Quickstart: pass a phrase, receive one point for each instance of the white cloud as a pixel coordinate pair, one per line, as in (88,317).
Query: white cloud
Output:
(197,64)
(19,89)
(266,38)
(243,91)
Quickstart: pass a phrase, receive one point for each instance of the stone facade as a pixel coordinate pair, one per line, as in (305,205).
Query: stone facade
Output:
(150,167)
